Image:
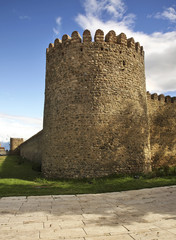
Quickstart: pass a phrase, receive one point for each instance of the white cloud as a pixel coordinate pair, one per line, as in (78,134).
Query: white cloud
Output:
(160,48)
(168,14)
(24,18)
(58,20)
(56,29)
(95,10)
(18,127)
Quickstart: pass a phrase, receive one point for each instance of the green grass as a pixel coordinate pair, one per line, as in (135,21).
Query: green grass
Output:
(17,178)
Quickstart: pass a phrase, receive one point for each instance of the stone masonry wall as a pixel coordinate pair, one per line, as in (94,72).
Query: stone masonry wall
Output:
(162,114)
(95,115)
(98,119)
(14,145)
(2,150)
(32,148)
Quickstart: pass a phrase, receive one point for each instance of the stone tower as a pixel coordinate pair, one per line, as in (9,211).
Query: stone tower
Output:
(95,114)
(15,143)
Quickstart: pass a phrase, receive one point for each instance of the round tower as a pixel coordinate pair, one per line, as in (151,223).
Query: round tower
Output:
(95,114)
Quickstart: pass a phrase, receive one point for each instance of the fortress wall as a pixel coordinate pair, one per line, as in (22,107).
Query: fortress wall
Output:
(162,114)
(2,151)
(32,148)
(14,145)
(95,115)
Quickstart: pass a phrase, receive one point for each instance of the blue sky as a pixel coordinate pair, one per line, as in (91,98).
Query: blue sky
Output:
(28,26)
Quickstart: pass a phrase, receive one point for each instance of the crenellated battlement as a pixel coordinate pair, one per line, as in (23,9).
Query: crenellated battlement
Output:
(161,98)
(99,38)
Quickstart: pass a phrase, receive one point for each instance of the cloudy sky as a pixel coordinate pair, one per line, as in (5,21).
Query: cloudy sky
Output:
(27,27)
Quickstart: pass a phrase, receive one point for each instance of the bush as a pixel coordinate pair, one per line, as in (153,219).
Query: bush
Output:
(165,171)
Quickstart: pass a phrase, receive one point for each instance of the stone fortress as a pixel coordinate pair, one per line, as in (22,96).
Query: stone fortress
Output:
(2,150)
(98,118)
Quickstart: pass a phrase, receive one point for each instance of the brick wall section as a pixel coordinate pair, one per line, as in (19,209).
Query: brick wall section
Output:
(162,113)
(32,148)
(95,115)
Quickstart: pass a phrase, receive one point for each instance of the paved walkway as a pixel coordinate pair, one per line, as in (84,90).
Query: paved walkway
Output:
(148,214)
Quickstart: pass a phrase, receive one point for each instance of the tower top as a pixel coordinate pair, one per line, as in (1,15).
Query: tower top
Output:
(110,38)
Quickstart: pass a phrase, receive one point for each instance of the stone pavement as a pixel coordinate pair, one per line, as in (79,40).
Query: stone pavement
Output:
(148,214)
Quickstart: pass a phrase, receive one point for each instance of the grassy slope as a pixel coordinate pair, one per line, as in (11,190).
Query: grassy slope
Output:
(17,178)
